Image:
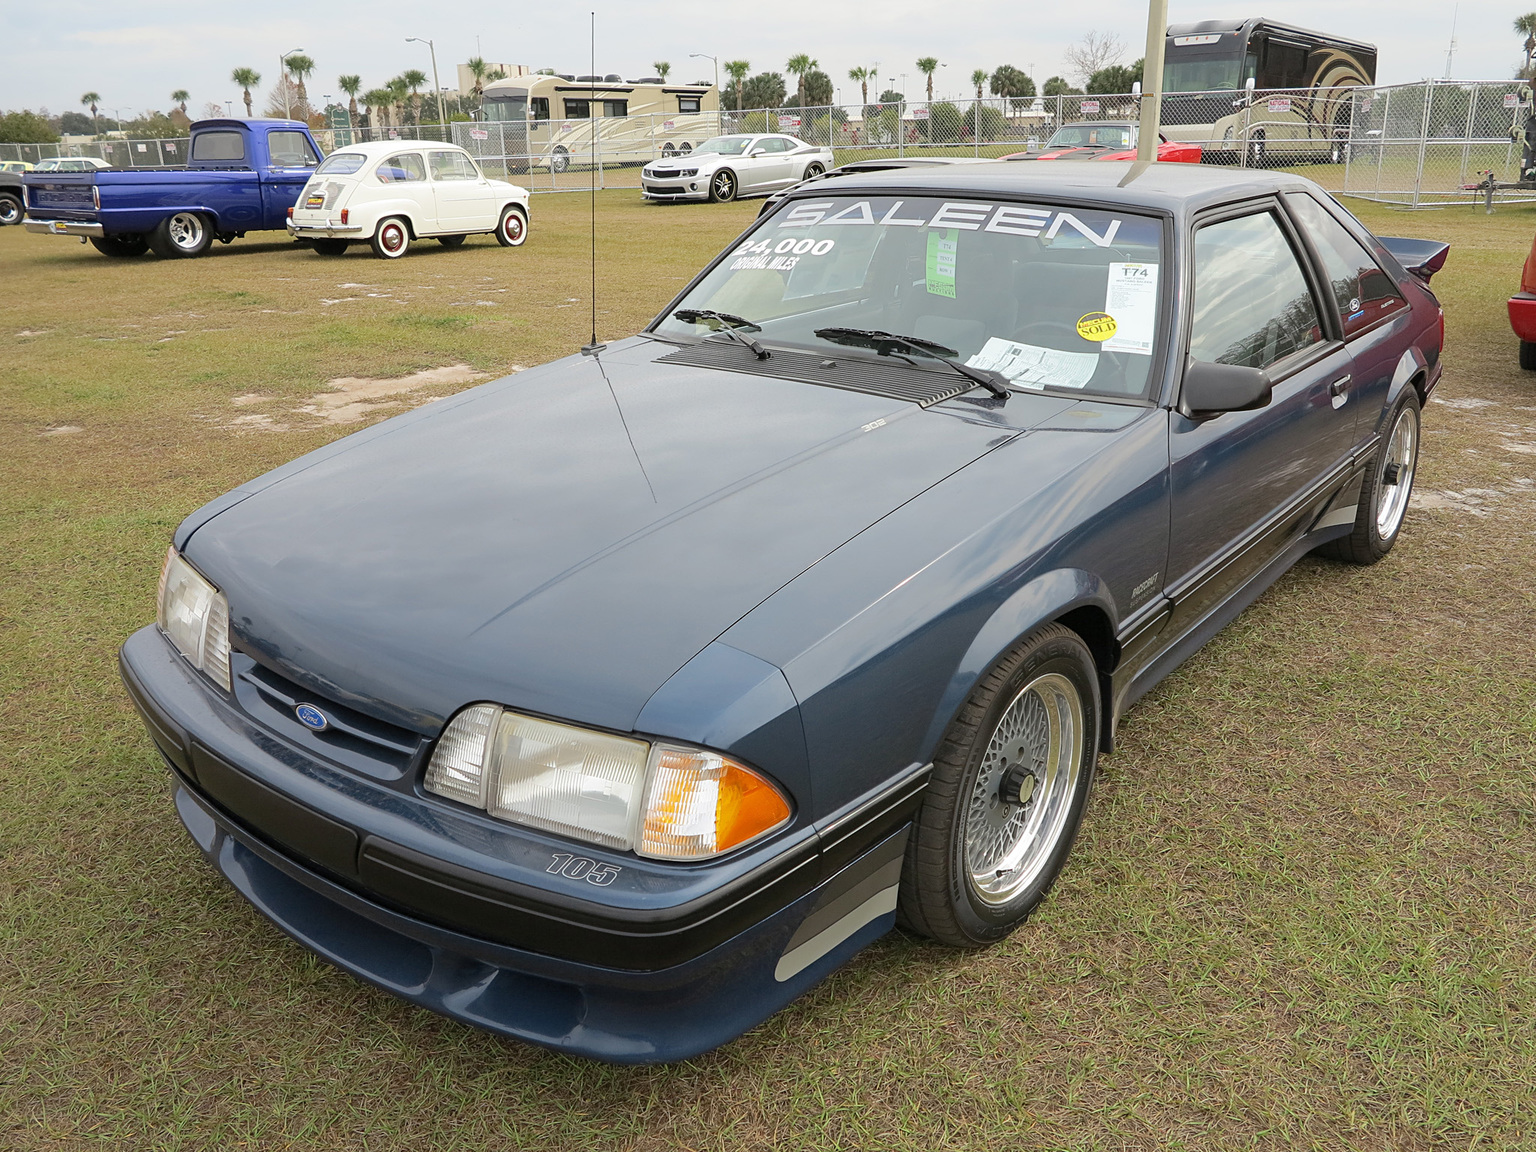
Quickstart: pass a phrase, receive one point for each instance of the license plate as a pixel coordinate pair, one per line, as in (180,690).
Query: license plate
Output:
(315,202)
(60,226)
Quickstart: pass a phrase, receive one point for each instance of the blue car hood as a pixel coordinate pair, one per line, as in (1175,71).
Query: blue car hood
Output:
(564,540)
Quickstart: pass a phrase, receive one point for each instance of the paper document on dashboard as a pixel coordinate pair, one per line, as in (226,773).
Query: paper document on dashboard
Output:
(1030,366)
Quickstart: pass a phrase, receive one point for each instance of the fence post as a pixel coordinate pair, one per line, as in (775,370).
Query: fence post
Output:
(1381,143)
(1466,142)
(1418,175)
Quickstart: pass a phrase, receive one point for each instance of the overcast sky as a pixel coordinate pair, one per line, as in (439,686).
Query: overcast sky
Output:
(135,53)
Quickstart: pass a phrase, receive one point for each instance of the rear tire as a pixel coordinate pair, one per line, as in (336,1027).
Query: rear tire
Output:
(11,210)
(450,241)
(390,239)
(181,235)
(330,247)
(125,245)
(813,169)
(512,228)
(560,161)
(1009,786)
(1528,355)
(1386,491)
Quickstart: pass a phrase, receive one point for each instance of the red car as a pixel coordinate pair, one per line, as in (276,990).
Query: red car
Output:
(1106,140)
(1522,311)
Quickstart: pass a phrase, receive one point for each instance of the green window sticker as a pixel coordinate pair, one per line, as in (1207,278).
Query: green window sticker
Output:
(942,246)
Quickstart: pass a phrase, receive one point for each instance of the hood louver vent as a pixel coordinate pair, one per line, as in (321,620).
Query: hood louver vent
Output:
(853,373)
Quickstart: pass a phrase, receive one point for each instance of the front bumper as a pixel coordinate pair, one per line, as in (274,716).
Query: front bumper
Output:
(64,227)
(678,188)
(1522,315)
(250,803)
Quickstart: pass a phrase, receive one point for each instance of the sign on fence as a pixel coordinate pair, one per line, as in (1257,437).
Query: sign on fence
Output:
(479,134)
(1280,104)
(1511,100)
(1088,106)
(787,122)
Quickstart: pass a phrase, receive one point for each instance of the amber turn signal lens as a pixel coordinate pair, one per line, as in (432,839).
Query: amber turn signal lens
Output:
(701,804)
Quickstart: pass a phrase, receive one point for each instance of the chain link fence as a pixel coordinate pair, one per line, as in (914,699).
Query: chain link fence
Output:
(1417,145)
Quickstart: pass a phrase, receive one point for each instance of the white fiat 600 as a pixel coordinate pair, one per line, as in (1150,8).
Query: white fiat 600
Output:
(391,192)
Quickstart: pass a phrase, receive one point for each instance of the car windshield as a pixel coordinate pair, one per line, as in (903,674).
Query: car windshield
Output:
(725,145)
(341,164)
(1050,296)
(1091,136)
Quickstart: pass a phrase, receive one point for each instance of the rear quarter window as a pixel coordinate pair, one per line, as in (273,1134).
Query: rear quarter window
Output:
(342,164)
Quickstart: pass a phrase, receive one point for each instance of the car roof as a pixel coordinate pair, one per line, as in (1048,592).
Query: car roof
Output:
(1178,189)
(391,147)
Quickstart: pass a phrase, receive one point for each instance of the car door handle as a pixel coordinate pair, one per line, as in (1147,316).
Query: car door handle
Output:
(1339,391)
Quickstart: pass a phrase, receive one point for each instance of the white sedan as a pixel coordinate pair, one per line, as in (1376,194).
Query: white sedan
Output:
(391,192)
(731,166)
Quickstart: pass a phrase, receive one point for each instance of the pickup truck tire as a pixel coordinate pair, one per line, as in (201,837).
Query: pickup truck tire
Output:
(330,247)
(181,234)
(512,229)
(11,210)
(391,238)
(128,244)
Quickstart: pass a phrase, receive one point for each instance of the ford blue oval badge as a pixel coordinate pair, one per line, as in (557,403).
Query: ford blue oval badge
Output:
(312,717)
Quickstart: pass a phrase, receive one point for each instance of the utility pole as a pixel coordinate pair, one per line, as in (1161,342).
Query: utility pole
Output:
(1450,52)
(282,78)
(442,114)
(1152,80)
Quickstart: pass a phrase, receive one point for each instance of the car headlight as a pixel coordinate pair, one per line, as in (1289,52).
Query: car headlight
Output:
(689,172)
(195,615)
(660,800)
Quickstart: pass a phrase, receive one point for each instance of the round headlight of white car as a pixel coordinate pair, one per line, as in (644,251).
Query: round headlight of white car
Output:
(195,616)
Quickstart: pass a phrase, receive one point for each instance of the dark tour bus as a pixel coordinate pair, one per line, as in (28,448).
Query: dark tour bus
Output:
(1303,77)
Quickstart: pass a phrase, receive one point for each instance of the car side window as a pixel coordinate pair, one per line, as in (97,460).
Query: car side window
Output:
(405,168)
(1252,303)
(445,166)
(774,144)
(1363,292)
(291,149)
(210,147)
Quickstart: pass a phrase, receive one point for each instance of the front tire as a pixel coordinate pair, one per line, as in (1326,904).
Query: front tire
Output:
(1007,794)
(1256,150)
(560,161)
(330,247)
(1528,355)
(512,229)
(391,238)
(11,210)
(121,247)
(181,235)
(1386,491)
(722,186)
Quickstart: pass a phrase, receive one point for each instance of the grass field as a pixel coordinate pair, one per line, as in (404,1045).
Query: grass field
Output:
(1300,914)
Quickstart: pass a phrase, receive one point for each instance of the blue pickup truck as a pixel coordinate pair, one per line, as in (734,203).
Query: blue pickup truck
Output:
(241,176)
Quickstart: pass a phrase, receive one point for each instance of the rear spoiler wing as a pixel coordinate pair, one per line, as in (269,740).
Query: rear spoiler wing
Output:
(1422,258)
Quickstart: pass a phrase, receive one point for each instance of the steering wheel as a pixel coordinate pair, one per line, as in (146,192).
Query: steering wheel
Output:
(1057,334)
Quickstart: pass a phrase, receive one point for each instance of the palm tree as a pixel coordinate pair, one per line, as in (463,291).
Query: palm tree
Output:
(862,76)
(737,70)
(247,78)
(798,66)
(180,97)
(350,85)
(93,98)
(413,79)
(399,91)
(300,67)
(477,68)
(377,100)
(662,69)
(979,78)
(928,65)
(1526,25)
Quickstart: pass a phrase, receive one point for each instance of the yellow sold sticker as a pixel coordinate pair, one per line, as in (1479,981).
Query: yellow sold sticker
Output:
(1096,326)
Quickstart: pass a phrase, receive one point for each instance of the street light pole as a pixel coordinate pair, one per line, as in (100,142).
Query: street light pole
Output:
(712,60)
(282,78)
(1152,80)
(442,114)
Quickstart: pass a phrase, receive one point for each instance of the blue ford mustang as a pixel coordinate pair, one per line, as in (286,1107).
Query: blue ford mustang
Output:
(613,705)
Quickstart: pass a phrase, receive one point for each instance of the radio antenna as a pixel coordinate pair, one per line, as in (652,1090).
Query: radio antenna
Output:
(593,348)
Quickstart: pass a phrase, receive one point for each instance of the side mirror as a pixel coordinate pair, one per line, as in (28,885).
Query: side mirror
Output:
(757,152)
(1248,90)
(1211,389)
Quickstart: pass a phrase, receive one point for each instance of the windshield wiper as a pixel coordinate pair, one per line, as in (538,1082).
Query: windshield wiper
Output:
(728,324)
(887,342)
